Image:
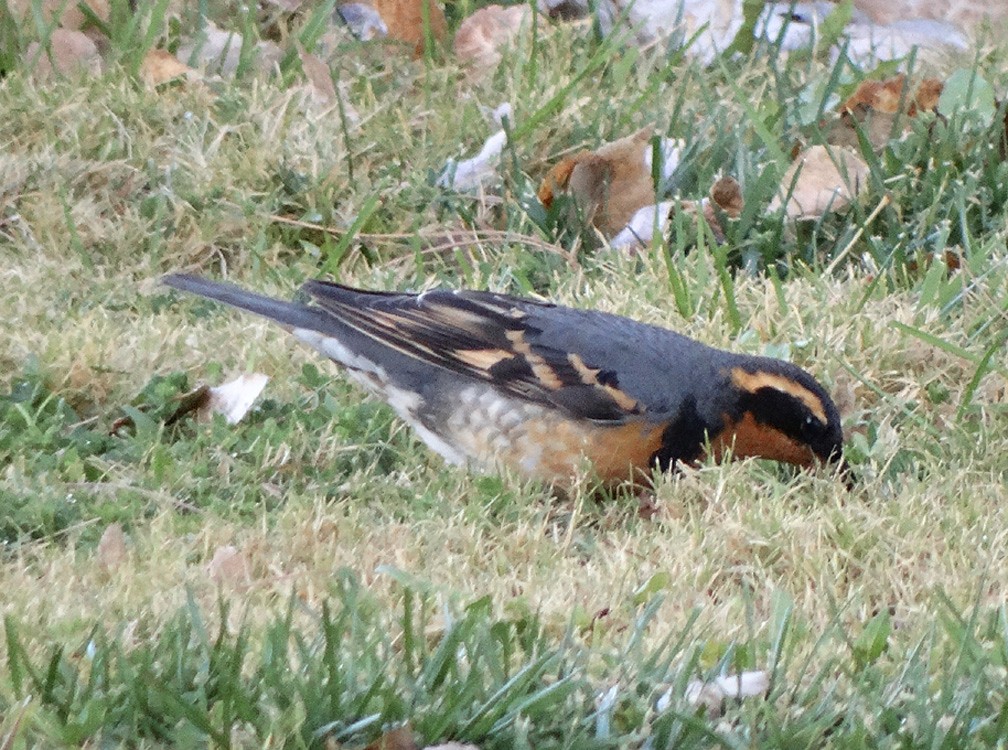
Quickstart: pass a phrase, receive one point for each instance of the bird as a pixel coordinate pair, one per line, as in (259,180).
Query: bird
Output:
(490,381)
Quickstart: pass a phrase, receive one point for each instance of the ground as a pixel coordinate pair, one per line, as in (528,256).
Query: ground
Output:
(314,574)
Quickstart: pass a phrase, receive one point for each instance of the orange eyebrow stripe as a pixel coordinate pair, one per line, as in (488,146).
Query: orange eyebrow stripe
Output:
(753,381)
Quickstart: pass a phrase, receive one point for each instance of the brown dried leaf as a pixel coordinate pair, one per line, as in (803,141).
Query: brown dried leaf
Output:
(557,178)
(229,567)
(610,185)
(928,93)
(406,20)
(883,96)
(67,14)
(161,66)
(827,180)
(318,75)
(111,550)
(878,128)
(400,738)
(73,52)
(887,95)
(481,36)
(725,197)
(875,108)
(727,194)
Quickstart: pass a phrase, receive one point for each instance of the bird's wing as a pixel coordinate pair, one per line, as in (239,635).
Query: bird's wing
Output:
(488,337)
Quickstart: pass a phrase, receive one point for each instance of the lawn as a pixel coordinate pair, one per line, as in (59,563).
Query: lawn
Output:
(313,576)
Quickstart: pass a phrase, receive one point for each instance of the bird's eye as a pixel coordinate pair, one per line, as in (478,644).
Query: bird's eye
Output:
(811,427)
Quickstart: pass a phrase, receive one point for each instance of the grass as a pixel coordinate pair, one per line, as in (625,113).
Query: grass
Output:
(377,587)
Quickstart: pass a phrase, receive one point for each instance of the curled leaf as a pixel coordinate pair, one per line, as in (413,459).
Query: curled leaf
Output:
(161,66)
(821,179)
(70,53)
(482,36)
(413,21)
(614,182)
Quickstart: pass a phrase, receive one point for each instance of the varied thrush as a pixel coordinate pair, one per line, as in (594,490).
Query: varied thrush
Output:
(489,379)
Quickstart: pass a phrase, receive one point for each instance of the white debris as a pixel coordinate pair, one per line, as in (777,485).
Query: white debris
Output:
(642,226)
(797,26)
(671,151)
(708,26)
(469,175)
(711,695)
(234,399)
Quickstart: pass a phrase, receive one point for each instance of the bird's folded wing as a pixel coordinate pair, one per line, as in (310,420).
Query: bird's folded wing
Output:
(488,337)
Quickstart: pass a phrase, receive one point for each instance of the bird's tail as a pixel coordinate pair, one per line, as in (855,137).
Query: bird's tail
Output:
(291,314)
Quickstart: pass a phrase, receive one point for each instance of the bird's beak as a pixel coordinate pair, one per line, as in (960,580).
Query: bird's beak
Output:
(845,473)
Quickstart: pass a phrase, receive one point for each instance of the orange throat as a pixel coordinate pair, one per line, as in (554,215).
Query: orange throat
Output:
(747,438)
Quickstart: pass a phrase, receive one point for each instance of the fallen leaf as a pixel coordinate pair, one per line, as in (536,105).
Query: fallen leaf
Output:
(72,52)
(879,109)
(893,95)
(725,196)
(111,550)
(319,76)
(878,128)
(482,36)
(821,179)
(400,738)
(66,15)
(161,66)
(229,566)
(966,91)
(612,183)
(408,21)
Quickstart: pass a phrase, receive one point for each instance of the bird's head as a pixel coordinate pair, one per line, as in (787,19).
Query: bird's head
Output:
(779,411)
